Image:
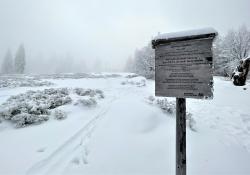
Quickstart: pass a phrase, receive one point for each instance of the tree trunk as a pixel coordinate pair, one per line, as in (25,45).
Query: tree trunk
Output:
(239,76)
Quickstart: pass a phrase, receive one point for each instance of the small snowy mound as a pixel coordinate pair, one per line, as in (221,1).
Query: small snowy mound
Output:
(169,107)
(12,82)
(59,114)
(33,107)
(90,102)
(137,81)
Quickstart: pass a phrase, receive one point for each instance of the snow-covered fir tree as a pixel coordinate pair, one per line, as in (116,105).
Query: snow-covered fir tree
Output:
(7,65)
(20,60)
(222,62)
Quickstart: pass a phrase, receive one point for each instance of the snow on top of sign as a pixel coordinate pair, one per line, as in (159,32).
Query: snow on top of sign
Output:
(181,34)
(248,57)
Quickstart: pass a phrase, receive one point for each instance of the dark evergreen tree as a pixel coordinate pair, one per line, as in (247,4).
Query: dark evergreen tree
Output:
(7,65)
(20,60)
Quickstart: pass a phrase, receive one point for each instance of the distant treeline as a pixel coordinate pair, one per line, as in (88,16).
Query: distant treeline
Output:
(15,65)
(55,63)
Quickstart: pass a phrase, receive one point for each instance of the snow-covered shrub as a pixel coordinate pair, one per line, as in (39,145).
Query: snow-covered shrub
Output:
(33,107)
(21,80)
(24,119)
(123,82)
(85,92)
(100,93)
(76,76)
(131,76)
(191,123)
(12,82)
(163,103)
(110,76)
(89,92)
(91,102)
(169,107)
(137,81)
(23,115)
(59,114)
(151,99)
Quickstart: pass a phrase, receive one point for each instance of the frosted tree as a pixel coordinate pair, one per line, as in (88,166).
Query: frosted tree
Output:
(7,65)
(221,60)
(237,43)
(232,48)
(144,61)
(20,60)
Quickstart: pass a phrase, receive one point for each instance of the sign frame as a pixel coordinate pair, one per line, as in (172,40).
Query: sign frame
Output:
(184,66)
(166,40)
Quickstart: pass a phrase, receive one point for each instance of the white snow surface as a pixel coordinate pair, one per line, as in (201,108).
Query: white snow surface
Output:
(181,34)
(126,135)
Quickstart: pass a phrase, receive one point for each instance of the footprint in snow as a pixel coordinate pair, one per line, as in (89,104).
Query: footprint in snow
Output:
(40,150)
(75,161)
(245,118)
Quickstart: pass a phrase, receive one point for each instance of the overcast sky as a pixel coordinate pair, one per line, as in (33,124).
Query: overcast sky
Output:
(109,29)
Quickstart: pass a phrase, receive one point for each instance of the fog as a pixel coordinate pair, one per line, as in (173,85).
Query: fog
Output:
(80,35)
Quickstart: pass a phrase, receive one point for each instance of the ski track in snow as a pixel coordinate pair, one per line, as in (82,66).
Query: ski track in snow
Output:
(56,162)
(75,149)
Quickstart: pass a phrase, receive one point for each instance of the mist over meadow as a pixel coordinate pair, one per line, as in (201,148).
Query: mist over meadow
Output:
(100,36)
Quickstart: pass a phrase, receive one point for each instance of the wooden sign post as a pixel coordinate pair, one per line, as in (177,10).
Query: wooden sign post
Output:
(180,136)
(183,69)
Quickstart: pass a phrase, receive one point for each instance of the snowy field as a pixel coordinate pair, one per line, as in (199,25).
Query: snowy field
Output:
(110,124)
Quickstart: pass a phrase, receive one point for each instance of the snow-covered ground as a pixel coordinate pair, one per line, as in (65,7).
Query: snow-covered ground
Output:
(125,134)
